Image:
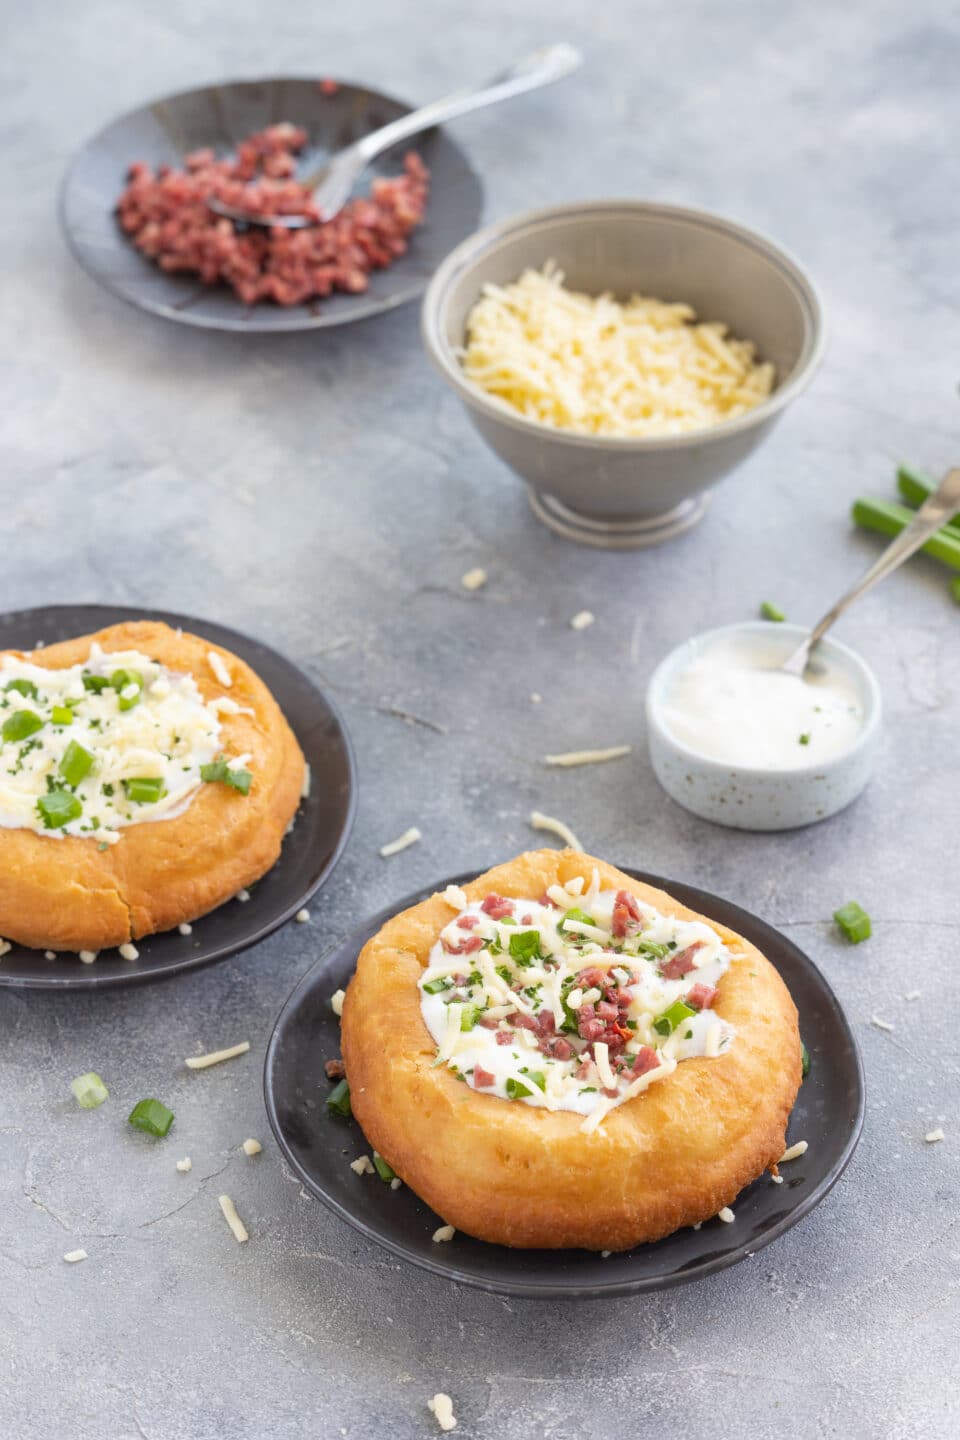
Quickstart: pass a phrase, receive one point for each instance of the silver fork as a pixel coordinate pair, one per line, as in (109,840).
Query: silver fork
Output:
(939,507)
(334,182)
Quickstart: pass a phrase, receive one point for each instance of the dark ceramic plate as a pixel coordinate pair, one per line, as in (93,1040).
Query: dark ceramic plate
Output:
(220,116)
(309,852)
(828,1114)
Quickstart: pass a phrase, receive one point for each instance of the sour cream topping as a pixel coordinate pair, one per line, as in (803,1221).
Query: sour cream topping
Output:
(576,1001)
(732,704)
(91,748)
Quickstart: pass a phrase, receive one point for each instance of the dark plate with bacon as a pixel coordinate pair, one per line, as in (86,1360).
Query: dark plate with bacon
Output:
(828,1115)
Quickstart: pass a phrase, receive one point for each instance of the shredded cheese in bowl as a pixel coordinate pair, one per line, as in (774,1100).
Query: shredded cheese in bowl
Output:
(597,366)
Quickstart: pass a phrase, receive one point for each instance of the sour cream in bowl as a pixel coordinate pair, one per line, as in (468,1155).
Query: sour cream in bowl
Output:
(736,741)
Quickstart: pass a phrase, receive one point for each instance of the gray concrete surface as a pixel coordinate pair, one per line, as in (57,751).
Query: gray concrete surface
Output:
(326,493)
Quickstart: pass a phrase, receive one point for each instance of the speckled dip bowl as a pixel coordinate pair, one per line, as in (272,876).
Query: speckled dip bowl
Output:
(622,492)
(748,798)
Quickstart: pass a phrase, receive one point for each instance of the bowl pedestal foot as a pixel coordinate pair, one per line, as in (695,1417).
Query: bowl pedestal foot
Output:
(617,534)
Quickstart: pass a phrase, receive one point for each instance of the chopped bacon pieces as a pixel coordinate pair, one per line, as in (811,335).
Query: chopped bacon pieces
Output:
(166,215)
(701,996)
(497,907)
(466,946)
(626,914)
(504,1037)
(482,1078)
(681,963)
(646,1059)
(334,1069)
(468,922)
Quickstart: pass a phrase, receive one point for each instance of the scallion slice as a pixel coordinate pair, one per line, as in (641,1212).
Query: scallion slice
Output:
(219,770)
(516,1089)
(145,789)
(525,946)
(26,688)
(580,915)
(62,715)
(769,611)
(385,1171)
(469,1016)
(75,763)
(804,1060)
(338,1101)
(89,1090)
(151,1116)
(853,921)
(20,725)
(58,809)
(438,985)
(95,683)
(673,1016)
(120,681)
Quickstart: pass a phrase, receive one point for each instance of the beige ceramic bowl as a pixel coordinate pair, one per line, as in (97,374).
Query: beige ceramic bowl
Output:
(629,492)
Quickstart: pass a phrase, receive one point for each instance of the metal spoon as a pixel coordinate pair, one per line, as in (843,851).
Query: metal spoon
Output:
(939,507)
(335,181)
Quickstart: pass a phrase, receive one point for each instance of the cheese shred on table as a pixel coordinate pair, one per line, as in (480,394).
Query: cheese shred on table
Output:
(600,367)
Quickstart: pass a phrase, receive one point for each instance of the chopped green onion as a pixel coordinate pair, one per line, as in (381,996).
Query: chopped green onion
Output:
(580,915)
(853,921)
(26,688)
(145,789)
(385,1171)
(89,1090)
(805,739)
(505,973)
(955,589)
(516,1089)
(537,1076)
(916,486)
(62,715)
(95,683)
(21,724)
(58,809)
(151,1116)
(436,986)
(220,770)
(507,920)
(338,1101)
(121,680)
(673,1016)
(888,518)
(75,763)
(469,1016)
(771,612)
(652,948)
(804,1060)
(525,946)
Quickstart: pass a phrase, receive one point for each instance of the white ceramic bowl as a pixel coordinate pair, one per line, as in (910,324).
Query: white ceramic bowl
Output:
(753,798)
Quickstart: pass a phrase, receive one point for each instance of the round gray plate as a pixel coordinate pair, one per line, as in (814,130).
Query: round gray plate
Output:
(828,1114)
(309,853)
(220,116)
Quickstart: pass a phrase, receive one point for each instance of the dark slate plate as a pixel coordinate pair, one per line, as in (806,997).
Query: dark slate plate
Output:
(220,116)
(309,852)
(828,1114)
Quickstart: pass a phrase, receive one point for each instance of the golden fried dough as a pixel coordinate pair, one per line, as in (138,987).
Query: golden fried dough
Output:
(72,893)
(512,1174)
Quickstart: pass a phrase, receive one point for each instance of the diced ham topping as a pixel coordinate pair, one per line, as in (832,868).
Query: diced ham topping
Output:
(466,946)
(497,907)
(488,1022)
(701,996)
(504,1037)
(645,1060)
(526,1022)
(606,1011)
(681,963)
(482,1078)
(626,914)
(546,1023)
(468,922)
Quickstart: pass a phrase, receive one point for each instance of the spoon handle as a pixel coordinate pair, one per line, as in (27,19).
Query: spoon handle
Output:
(938,508)
(543,67)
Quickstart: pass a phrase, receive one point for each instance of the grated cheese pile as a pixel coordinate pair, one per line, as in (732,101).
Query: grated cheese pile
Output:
(596,366)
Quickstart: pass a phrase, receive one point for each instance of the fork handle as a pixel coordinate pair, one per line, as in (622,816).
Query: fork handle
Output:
(543,67)
(934,512)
